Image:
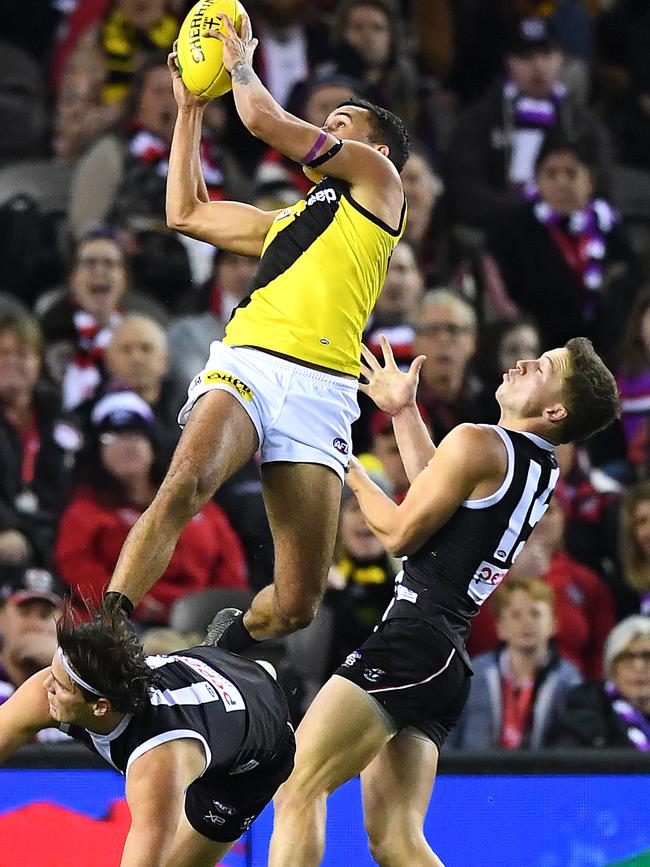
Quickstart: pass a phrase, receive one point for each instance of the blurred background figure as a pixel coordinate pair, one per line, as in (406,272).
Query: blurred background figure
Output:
(517,688)
(118,481)
(425,226)
(113,38)
(78,321)
(634,385)
(30,602)
(207,313)
(563,257)
(614,712)
(368,45)
(497,140)
(397,305)
(38,444)
(635,521)
(446,332)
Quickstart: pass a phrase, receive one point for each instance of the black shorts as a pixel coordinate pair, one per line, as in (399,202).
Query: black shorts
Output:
(222,806)
(415,673)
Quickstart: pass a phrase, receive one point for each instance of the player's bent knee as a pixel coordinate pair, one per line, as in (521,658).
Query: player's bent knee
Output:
(396,847)
(184,492)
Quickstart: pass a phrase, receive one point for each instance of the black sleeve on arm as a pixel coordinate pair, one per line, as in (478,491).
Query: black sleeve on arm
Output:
(323,158)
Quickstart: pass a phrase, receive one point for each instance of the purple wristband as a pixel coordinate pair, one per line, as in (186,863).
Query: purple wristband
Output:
(318,144)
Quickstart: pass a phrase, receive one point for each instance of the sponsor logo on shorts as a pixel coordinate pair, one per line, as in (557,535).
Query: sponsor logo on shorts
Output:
(340,445)
(225,808)
(351,658)
(373,674)
(221,376)
(214,818)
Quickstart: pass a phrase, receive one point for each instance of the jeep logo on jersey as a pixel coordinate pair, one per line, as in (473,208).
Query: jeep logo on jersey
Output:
(340,445)
(485,581)
(328,195)
(221,376)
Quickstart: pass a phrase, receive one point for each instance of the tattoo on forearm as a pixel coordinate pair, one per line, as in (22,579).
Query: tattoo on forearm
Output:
(242,72)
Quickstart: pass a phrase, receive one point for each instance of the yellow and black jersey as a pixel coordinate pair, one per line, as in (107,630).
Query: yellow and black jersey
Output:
(323,264)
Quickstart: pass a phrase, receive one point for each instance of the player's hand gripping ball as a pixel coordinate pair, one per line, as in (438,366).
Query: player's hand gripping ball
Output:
(199,57)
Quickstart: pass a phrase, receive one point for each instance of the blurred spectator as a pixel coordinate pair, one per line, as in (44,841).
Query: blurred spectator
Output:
(23,108)
(137,359)
(121,476)
(635,527)
(590,501)
(360,581)
(290,45)
(122,178)
(396,307)
(584,609)
(624,73)
(115,38)
(634,384)
(518,687)
(616,712)
(313,100)
(77,323)
(425,229)
(38,444)
(496,142)
(563,256)
(30,602)
(502,344)
(445,331)
(77,115)
(190,335)
(368,45)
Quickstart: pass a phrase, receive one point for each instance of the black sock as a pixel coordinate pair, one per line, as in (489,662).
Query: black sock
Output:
(237,638)
(114,601)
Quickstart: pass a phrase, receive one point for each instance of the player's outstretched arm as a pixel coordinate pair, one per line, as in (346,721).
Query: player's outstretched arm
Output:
(155,792)
(469,462)
(395,392)
(356,162)
(232,226)
(24,714)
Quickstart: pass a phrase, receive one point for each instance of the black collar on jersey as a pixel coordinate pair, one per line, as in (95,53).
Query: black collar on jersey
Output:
(336,147)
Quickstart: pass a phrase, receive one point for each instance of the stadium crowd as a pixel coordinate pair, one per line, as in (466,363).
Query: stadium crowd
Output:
(528,188)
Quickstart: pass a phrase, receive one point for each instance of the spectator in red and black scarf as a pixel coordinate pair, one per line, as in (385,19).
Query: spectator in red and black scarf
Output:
(38,444)
(77,324)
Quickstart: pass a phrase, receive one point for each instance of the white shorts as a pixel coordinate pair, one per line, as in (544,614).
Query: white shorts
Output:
(301,415)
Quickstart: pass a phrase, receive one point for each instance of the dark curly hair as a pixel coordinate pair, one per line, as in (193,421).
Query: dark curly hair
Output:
(107,654)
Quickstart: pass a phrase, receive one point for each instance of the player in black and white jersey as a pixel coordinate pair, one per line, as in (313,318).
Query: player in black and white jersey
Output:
(471,506)
(202,736)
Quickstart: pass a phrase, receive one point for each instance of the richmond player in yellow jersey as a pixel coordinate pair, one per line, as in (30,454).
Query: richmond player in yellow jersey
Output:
(284,379)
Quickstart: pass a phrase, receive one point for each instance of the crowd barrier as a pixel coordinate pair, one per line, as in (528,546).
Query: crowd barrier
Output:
(60,806)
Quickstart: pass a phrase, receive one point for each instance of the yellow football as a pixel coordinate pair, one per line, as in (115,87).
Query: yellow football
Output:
(200,59)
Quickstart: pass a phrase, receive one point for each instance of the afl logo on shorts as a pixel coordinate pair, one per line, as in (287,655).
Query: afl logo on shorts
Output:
(373,674)
(340,445)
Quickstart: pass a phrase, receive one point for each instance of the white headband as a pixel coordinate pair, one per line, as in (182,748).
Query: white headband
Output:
(63,659)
